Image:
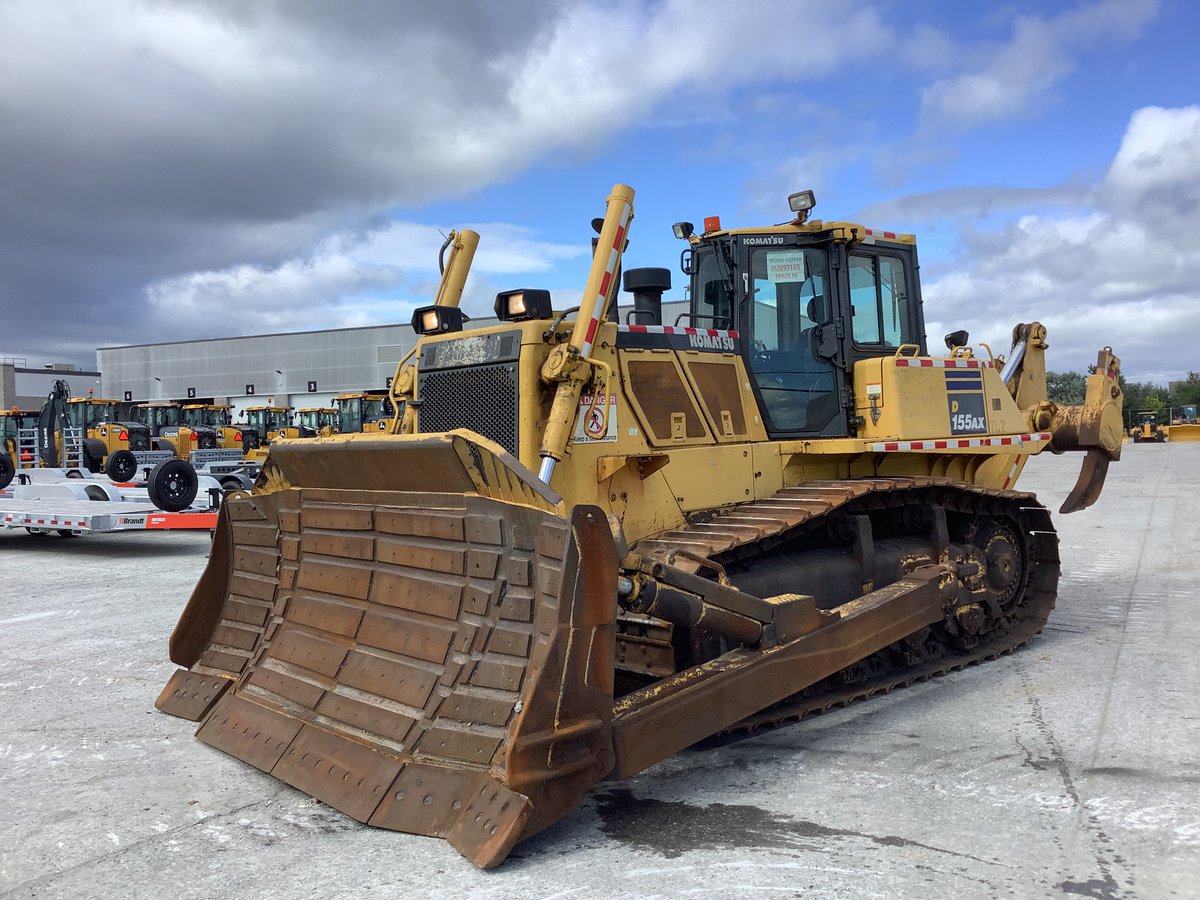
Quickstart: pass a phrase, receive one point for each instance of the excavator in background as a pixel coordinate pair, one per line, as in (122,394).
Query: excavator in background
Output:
(584,545)
(109,444)
(363,412)
(86,433)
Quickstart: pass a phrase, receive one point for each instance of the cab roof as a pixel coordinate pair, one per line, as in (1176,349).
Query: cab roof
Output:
(840,231)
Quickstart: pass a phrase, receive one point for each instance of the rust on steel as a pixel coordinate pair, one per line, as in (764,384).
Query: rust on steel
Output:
(443,663)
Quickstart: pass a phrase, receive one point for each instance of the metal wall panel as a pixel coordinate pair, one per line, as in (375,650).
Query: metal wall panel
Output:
(278,365)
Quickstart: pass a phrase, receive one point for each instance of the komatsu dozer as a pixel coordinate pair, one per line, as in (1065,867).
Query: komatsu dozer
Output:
(588,544)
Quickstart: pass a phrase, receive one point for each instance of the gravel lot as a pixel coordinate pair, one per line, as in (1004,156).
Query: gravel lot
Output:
(1068,768)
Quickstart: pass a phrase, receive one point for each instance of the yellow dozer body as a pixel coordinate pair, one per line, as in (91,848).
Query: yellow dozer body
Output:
(1184,427)
(589,544)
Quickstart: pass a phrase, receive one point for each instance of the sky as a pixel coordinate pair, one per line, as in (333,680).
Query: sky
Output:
(206,168)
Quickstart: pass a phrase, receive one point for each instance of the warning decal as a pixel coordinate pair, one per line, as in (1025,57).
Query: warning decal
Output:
(590,427)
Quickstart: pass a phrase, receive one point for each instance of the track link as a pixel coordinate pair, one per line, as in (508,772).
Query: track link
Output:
(753,530)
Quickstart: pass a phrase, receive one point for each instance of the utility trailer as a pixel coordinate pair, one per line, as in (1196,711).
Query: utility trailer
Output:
(71,518)
(76,506)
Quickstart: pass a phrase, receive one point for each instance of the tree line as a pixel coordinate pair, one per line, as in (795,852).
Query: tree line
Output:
(1067,388)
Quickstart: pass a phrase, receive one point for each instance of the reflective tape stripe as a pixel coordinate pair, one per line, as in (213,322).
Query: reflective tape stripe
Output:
(610,271)
(921,362)
(1008,440)
(670,329)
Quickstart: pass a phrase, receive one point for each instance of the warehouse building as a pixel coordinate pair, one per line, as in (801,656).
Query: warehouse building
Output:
(303,369)
(300,369)
(26,387)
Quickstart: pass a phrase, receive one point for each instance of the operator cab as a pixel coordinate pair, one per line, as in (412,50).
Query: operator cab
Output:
(808,299)
(268,420)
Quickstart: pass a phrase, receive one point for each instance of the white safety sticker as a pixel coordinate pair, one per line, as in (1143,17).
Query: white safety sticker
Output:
(874,389)
(785,265)
(589,424)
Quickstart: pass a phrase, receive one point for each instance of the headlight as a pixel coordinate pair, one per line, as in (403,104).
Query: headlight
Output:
(527,303)
(801,201)
(437,319)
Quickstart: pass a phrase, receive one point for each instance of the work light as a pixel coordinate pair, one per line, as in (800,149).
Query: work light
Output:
(527,303)
(801,201)
(437,319)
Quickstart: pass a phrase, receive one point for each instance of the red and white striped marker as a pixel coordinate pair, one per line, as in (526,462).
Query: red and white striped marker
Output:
(1008,440)
(610,272)
(671,329)
(926,363)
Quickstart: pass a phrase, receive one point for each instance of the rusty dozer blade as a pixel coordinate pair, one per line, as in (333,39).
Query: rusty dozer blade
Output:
(432,662)
(437,656)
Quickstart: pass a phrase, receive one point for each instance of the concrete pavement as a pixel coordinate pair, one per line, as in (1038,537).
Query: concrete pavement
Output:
(1069,768)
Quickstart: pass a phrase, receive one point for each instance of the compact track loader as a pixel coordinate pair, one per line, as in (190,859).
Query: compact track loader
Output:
(588,545)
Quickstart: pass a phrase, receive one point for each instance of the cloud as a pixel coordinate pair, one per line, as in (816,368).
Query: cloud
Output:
(213,149)
(351,278)
(1011,76)
(1123,271)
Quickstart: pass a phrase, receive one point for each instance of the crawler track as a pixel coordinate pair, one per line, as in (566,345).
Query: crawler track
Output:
(756,531)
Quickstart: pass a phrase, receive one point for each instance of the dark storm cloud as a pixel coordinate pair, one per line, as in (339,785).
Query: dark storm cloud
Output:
(145,140)
(166,166)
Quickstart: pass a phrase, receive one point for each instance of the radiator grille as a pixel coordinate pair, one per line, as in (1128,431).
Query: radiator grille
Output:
(481,398)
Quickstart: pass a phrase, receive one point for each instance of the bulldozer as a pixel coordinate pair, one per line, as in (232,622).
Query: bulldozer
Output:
(586,545)
(1185,426)
(1146,430)
(363,412)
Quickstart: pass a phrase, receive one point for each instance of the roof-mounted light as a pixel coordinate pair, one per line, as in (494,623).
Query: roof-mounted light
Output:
(437,319)
(801,201)
(711,224)
(520,305)
(683,230)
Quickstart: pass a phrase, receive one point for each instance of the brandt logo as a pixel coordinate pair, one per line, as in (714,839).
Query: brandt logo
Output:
(757,241)
(710,342)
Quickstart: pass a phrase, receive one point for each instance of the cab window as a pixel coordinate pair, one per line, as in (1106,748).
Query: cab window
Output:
(712,307)
(879,301)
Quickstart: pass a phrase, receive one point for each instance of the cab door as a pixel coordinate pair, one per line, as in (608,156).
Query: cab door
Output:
(881,301)
(792,327)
